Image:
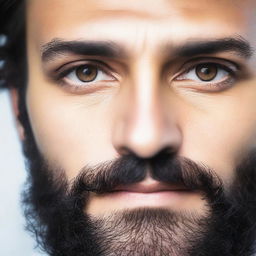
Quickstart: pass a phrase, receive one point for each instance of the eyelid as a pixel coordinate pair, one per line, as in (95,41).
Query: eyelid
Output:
(233,69)
(227,65)
(67,68)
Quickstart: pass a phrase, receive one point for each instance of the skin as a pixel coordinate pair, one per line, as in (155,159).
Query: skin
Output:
(140,106)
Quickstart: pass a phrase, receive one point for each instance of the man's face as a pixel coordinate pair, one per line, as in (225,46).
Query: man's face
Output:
(108,78)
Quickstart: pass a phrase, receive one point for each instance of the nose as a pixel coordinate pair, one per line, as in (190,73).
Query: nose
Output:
(145,124)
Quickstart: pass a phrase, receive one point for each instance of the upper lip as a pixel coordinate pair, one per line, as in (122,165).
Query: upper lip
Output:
(150,187)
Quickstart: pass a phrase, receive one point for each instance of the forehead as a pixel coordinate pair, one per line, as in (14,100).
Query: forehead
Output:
(172,19)
(64,12)
(154,7)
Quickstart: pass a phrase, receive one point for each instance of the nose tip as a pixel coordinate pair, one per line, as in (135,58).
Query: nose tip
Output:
(146,139)
(146,145)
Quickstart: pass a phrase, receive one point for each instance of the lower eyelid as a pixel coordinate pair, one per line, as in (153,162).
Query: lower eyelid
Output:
(80,86)
(208,86)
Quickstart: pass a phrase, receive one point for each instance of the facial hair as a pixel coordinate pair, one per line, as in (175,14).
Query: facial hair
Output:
(54,208)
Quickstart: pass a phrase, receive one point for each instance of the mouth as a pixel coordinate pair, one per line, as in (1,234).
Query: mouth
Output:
(148,194)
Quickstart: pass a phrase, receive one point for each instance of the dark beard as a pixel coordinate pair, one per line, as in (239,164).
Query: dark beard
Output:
(54,208)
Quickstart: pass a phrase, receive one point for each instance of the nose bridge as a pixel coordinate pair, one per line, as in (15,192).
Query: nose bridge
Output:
(145,115)
(143,125)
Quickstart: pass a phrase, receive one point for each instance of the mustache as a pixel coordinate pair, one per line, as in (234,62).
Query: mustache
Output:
(164,167)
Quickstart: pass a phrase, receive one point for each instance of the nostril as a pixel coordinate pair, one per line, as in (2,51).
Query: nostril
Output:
(168,151)
(124,151)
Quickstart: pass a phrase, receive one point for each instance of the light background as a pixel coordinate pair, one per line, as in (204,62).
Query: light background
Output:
(14,241)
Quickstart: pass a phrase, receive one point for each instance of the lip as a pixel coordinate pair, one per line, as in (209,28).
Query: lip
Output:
(151,187)
(146,194)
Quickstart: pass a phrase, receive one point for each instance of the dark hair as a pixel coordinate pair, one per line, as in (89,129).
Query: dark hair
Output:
(12,18)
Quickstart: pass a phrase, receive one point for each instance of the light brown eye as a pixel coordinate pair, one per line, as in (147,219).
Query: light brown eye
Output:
(206,72)
(86,73)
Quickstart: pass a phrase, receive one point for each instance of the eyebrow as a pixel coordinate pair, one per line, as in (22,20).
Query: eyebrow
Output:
(89,48)
(56,47)
(238,45)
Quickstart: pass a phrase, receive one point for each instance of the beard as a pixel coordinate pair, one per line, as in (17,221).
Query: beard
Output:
(54,208)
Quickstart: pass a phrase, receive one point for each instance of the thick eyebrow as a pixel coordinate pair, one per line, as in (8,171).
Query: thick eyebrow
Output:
(56,47)
(238,45)
(90,48)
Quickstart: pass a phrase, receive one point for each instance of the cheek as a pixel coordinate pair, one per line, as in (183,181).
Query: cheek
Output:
(70,131)
(223,131)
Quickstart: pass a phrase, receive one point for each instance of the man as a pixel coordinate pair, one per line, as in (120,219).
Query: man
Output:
(138,122)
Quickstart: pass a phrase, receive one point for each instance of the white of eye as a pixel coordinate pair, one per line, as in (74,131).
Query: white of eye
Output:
(192,75)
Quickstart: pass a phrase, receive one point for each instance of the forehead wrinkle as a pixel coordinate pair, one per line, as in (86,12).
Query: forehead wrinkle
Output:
(137,14)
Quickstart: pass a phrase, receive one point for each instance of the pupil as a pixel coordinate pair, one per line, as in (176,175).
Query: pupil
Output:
(206,72)
(86,73)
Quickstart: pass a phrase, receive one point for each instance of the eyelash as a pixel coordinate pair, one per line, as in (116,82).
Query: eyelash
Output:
(65,70)
(227,66)
(231,68)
